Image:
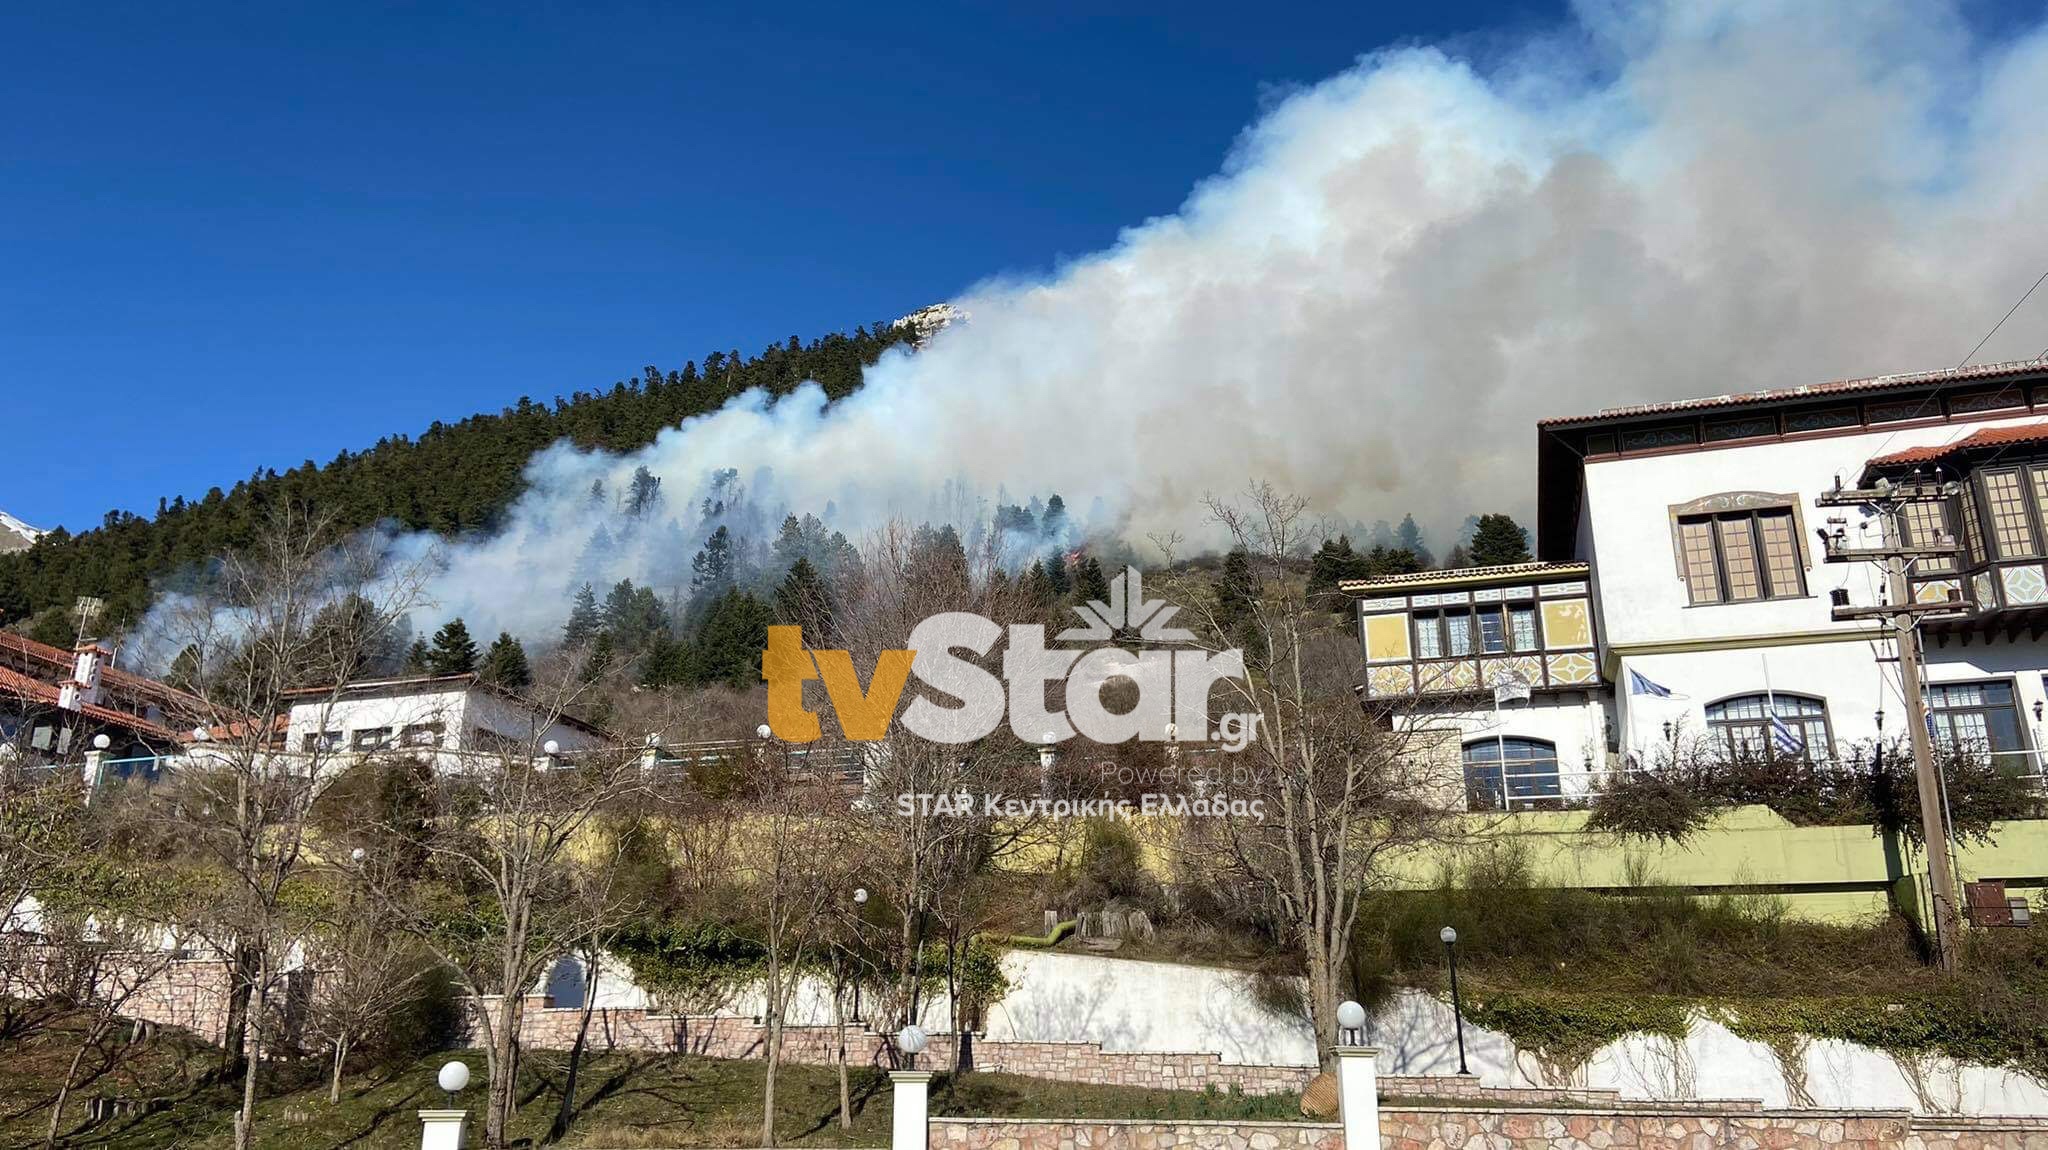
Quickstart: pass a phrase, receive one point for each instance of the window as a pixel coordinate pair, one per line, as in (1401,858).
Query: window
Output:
(321,741)
(370,739)
(1976,717)
(1438,634)
(1732,557)
(1429,636)
(2011,529)
(1457,633)
(1493,632)
(422,735)
(1503,629)
(1743,728)
(1927,526)
(1522,622)
(1502,772)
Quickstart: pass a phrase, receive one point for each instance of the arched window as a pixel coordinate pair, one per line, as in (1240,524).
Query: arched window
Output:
(1742,727)
(1499,773)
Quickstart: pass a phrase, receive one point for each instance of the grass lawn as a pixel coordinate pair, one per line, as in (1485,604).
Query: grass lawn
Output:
(622,1101)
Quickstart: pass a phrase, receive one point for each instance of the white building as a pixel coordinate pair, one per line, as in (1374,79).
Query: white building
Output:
(1677,542)
(454,715)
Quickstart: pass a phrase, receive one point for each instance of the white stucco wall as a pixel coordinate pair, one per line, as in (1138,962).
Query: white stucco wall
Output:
(1575,722)
(460,711)
(1171,1007)
(1628,502)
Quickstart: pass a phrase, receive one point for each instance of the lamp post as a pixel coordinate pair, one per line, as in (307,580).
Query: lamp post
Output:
(1358,1106)
(910,1040)
(1450,937)
(1350,1024)
(447,1129)
(909,1125)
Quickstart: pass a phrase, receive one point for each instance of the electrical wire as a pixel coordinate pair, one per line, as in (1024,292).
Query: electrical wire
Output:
(1935,394)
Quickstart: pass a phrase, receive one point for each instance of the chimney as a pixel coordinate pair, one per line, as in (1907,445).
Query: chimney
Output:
(84,688)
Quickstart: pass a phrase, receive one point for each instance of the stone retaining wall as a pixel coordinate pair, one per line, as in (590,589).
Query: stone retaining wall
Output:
(1670,1128)
(191,994)
(547,1027)
(1086,1063)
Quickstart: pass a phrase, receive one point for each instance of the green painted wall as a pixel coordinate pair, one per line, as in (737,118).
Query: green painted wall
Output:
(1837,874)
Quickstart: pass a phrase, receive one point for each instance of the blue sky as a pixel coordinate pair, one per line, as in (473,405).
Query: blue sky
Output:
(247,237)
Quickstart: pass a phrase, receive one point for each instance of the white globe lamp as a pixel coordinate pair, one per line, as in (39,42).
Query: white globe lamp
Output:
(910,1040)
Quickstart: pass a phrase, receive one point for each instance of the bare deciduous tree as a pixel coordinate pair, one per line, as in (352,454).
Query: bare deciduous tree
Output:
(519,870)
(1342,790)
(284,626)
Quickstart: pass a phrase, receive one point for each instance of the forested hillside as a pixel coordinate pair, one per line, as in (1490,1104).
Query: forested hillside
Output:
(452,478)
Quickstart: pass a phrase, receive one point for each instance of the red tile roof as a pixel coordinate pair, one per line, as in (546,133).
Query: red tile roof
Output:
(21,686)
(2008,436)
(1809,391)
(115,679)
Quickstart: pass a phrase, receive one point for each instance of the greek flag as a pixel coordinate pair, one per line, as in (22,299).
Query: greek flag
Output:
(1641,684)
(1785,736)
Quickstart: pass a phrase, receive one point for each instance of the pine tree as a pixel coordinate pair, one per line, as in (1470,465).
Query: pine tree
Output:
(1335,562)
(1090,584)
(643,493)
(1236,597)
(603,656)
(803,599)
(728,647)
(666,663)
(1499,539)
(712,569)
(1409,537)
(584,620)
(1053,523)
(1057,578)
(1391,561)
(419,660)
(1457,558)
(505,664)
(185,670)
(1038,585)
(454,651)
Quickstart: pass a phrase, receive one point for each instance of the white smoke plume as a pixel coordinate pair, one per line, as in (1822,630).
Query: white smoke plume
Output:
(1398,270)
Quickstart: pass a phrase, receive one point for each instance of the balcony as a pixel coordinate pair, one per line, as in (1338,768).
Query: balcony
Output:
(1447,633)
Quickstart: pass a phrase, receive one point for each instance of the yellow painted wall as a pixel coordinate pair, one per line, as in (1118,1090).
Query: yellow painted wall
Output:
(1833,874)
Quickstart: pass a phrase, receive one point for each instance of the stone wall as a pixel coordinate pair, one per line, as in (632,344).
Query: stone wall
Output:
(1669,1128)
(192,994)
(546,1027)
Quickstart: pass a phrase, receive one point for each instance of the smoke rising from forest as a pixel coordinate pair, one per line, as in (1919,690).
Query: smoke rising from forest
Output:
(1394,274)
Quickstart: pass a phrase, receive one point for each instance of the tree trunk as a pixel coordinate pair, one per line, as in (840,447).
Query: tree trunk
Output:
(567,1110)
(839,1026)
(92,1039)
(334,1080)
(774,1053)
(251,1065)
(234,1039)
(1322,1005)
(768,1093)
(503,1056)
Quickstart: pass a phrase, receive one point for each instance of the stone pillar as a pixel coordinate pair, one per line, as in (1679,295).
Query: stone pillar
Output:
(444,1130)
(910,1130)
(1358,1096)
(95,766)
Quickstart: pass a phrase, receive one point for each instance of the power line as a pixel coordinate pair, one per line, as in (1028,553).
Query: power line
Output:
(1934,395)
(1999,324)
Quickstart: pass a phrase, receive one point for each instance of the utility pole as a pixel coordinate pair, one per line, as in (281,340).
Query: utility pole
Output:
(1902,615)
